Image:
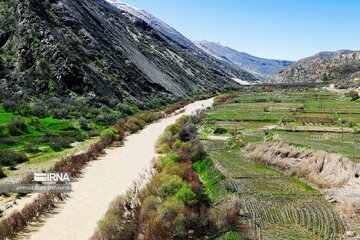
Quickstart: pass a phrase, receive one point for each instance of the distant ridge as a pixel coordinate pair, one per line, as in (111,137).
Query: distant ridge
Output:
(260,67)
(339,66)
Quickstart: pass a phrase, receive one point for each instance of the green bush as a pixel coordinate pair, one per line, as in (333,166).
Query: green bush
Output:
(167,159)
(18,127)
(169,209)
(36,123)
(39,110)
(60,113)
(9,106)
(164,148)
(84,123)
(124,109)
(24,109)
(171,187)
(110,133)
(133,125)
(186,195)
(219,131)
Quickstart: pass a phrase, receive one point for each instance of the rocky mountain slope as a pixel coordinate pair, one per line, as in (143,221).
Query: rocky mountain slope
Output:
(93,49)
(337,66)
(259,67)
(175,38)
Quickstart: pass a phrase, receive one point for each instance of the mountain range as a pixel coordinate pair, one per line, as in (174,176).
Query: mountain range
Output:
(259,67)
(212,53)
(339,66)
(95,50)
(175,38)
(105,50)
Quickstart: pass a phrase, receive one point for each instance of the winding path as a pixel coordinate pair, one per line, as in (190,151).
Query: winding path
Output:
(103,180)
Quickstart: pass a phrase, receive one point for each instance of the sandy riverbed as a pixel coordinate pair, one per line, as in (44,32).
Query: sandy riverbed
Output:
(102,181)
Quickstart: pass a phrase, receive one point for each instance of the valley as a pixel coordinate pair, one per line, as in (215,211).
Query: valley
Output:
(165,137)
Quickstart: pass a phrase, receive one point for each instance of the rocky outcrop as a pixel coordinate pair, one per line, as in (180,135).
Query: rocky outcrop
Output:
(337,66)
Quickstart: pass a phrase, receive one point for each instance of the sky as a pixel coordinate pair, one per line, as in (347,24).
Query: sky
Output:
(277,29)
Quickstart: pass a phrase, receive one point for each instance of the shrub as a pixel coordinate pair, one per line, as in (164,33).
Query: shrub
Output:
(99,119)
(220,130)
(119,126)
(133,125)
(105,109)
(352,124)
(179,169)
(18,127)
(9,157)
(94,133)
(54,102)
(16,221)
(58,143)
(36,123)
(24,109)
(168,159)
(110,133)
(84,123)
(186,195)
(150,203)
(95,111)
(32,148)
(9,141)
(124,108)
(164,148)
(150,117)
(171,187)
(39,109)
(9,106)
(60,113)
(169,209)
(187,131)
(110,118)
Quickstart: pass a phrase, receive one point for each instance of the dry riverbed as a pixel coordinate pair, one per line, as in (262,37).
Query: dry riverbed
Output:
(102,181)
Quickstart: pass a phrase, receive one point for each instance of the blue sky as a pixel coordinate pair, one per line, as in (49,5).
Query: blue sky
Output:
(280,29)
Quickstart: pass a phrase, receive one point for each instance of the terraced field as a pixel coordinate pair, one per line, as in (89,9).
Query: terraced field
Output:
(275,206)
(272,200)
(346,144)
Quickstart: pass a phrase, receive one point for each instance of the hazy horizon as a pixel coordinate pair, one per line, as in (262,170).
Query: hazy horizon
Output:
(275,29)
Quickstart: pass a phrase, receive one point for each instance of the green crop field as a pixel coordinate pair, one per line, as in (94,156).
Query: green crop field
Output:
(276,206)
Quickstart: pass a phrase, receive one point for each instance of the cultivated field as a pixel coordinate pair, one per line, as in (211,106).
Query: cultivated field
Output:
(275,206)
